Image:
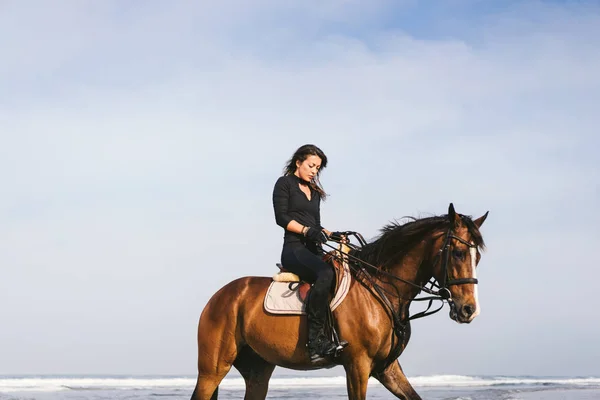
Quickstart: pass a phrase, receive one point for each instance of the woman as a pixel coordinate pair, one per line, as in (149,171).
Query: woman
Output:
(296,200)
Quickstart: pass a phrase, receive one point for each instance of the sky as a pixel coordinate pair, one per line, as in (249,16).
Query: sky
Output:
(141,141)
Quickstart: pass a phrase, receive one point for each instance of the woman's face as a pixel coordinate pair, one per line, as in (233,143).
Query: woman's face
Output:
(308,168)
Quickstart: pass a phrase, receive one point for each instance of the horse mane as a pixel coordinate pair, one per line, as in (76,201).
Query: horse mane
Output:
(396,238)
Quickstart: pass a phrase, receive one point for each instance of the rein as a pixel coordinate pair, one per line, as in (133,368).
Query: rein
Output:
(442,294)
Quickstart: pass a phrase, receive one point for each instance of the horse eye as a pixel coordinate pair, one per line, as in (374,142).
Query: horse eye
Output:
(459,254)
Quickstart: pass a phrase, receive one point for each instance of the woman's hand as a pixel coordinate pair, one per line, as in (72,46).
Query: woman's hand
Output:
(316,235)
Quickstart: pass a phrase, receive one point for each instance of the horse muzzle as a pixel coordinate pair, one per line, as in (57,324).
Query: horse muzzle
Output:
(463,313)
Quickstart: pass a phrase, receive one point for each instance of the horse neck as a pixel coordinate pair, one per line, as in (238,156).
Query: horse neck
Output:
(413,268)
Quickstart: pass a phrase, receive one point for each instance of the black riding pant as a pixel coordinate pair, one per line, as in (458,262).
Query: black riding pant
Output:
(311,268)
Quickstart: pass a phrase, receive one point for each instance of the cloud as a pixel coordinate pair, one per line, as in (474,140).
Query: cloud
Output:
(140,146)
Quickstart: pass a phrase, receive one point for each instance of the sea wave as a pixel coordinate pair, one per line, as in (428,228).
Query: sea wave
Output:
(53,384)
(473,381)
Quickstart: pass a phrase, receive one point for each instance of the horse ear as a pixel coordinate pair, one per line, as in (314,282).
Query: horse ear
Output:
(453,216)
(479,221)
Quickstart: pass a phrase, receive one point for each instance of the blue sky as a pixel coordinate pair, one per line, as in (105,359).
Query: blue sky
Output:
(134,140)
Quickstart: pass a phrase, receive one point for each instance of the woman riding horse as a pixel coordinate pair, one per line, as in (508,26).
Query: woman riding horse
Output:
(235,329)
(296,201)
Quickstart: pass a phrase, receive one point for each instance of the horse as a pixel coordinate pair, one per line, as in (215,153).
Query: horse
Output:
(235,330)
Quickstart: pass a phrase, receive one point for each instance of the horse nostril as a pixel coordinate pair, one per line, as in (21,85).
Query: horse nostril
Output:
(468,310)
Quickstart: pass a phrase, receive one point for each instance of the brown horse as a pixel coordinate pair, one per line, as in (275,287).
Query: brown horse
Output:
(235,330)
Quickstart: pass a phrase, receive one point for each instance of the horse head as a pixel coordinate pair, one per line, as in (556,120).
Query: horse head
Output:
(457,253)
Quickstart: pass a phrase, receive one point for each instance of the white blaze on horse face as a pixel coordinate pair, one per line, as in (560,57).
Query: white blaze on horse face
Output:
(473,252)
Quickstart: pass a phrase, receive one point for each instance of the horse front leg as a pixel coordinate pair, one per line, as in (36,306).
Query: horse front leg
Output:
(357,378)
(395,381)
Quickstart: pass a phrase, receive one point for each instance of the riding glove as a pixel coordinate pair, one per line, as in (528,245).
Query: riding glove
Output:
(316,235)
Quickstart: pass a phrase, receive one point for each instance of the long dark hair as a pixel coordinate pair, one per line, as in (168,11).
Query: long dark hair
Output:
(302,154)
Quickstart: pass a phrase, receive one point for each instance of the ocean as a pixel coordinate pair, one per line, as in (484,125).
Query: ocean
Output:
(437,387)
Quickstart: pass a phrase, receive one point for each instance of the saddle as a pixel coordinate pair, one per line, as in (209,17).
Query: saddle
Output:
(304,287)
(287,293)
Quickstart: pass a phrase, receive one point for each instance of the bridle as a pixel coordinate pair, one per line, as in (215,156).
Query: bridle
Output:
(442,293)
(444,252)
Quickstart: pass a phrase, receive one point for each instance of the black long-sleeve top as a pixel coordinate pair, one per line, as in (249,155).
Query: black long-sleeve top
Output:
(290,203)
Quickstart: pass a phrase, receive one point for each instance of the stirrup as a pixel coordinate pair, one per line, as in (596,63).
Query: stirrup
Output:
(325,349)
(333,353)
(341,345)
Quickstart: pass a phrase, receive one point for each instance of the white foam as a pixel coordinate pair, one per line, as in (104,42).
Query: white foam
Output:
(42,384)
(332,381)
(464,381)
(54,384)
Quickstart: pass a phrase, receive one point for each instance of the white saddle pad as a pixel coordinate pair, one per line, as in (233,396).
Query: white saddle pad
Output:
(281,300)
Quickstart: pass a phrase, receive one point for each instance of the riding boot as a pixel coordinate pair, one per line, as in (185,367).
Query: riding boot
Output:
(319,345)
